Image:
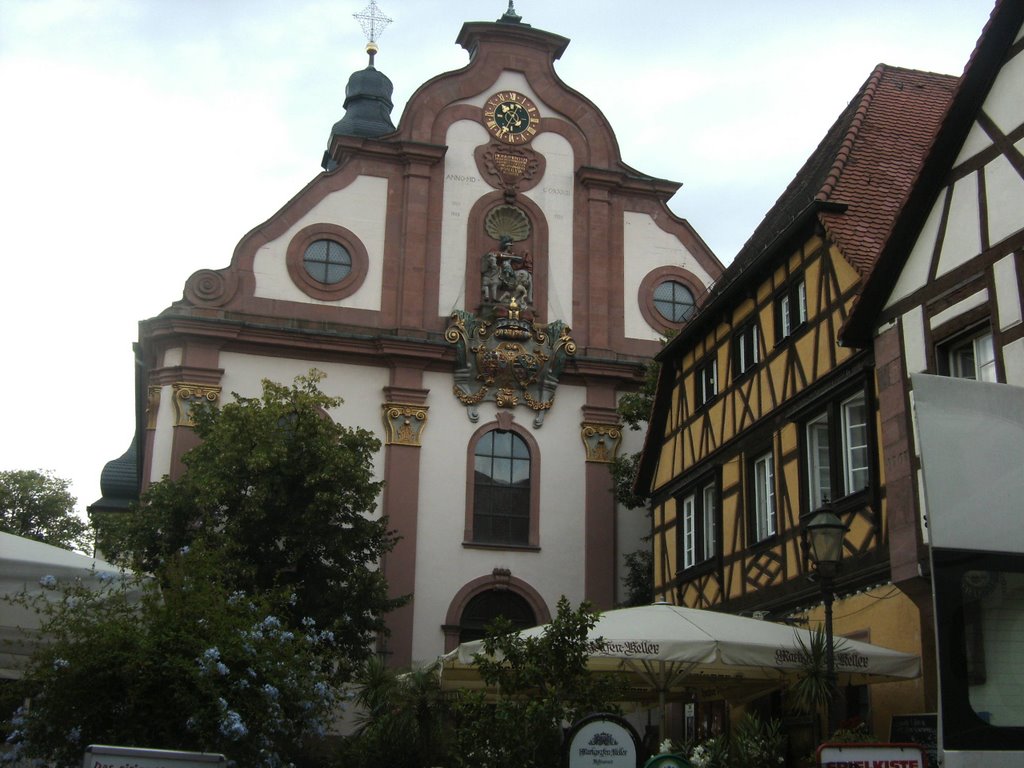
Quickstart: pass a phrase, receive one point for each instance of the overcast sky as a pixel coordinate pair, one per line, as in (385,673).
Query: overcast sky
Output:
(140,140)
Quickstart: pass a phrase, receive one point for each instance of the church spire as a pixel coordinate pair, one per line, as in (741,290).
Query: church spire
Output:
(368,102)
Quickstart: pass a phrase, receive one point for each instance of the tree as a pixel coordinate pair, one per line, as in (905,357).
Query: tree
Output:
(287,496)
(542,682)
(402,720)
(634,409)
(38,505)
(263,597)
(178,662)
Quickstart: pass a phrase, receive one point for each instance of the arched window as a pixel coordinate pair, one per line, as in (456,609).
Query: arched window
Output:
(481,611)
(501,489)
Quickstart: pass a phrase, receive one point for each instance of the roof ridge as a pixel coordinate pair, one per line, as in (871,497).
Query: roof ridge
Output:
(846,146)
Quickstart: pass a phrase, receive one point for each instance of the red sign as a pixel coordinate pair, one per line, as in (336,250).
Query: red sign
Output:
(872,756)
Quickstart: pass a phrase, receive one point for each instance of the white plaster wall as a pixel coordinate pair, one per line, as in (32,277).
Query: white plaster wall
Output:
(976,141)
(163,437)
(964,305)
(361,387)
(1007,294)
(962,240)
(554,195)
(1004,191)
(462,188)
(915,272)
(1003,103)
(647,246)
(172,357)
(360,207)
(444,566)
(1013,362)
(915,355)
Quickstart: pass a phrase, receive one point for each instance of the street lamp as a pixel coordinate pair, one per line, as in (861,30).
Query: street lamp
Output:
(825,533)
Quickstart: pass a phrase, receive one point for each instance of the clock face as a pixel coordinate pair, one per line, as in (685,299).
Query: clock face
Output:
(511,117)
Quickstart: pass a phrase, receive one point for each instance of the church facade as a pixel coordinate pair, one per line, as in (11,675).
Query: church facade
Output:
(479,284)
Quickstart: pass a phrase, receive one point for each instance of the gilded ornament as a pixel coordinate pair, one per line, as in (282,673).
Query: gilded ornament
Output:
(510,361)
(601,441)
(187,396)
(404,423)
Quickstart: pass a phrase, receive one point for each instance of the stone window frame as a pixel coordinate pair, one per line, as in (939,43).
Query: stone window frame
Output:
(295,260)
(503,423)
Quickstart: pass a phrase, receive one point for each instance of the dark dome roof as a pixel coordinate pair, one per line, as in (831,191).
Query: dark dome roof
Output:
(368,105)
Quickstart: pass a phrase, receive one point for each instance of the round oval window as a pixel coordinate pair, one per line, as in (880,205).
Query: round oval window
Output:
(674,301)
(327,262)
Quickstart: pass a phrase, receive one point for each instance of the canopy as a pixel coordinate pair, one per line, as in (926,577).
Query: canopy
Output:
(662,651)
(24,564)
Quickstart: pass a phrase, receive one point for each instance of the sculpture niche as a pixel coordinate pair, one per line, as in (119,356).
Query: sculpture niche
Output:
(506,275)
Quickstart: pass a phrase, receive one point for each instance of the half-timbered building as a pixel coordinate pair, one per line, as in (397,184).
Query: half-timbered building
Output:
(947,295)
(762,417)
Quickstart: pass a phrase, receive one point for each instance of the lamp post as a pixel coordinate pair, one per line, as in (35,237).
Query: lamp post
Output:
(825,533)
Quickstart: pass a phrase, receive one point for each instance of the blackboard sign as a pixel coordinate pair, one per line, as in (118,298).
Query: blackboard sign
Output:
(920,729)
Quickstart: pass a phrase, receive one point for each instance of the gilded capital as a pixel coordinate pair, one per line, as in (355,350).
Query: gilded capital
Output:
(601,441)
(404,423)
(187,395)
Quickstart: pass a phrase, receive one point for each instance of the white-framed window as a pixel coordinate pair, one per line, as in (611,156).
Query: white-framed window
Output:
(706,381)
(764,496)
(791,308)
(746,348)
(689,531)
(819,461)
(971,357)
(709,516)
(838,451)
(855,443)
(697,533)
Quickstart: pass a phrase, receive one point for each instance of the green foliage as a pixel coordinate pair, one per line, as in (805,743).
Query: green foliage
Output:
(624,469)
(757,744)
(542,682)
(179,663)
(813,690)
(38,505)
(712,753)
(403,719)
(287,496)
(639,579)
(754,744)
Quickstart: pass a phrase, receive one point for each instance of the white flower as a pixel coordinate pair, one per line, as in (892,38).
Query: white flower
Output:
(665,747)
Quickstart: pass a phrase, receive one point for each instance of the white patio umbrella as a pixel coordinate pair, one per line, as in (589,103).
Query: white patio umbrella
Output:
(662,651)
(24,563)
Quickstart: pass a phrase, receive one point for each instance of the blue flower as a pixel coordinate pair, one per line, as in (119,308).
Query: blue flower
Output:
(59,664)
(232,726)
(222,668)
(74,735)
(271,692)
(48,581)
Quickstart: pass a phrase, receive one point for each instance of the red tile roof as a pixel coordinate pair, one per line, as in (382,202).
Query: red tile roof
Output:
(855,182)
(896,115)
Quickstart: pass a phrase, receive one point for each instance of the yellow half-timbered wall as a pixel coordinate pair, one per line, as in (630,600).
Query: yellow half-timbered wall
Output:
(759,409)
